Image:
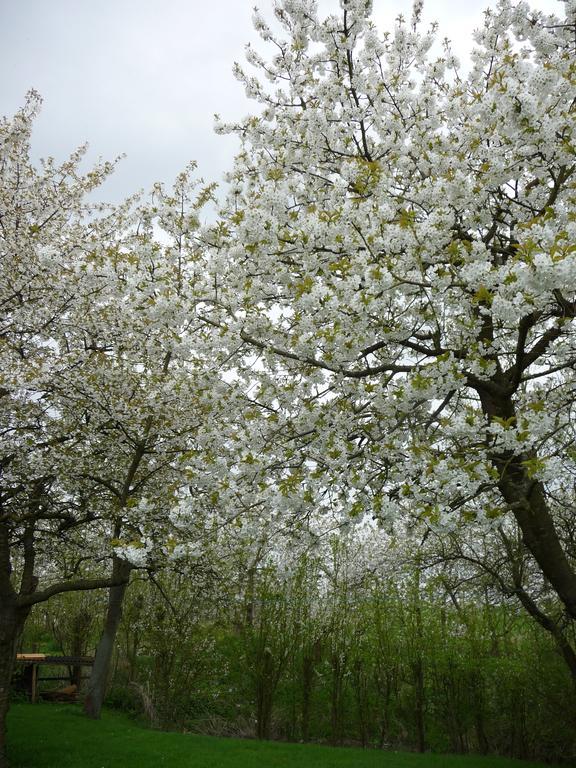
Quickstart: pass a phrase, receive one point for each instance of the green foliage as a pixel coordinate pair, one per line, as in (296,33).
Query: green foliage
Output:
(322,655)
(326,652)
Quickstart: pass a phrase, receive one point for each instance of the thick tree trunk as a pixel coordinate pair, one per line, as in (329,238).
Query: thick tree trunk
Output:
(100,675)
(526,498)
(11,624)
(8,639)
(9,632)
(562,642)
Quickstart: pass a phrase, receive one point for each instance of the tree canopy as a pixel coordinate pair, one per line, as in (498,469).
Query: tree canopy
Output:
(379,322)
(398,246)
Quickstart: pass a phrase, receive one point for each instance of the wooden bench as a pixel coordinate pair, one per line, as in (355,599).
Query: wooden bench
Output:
(31,677)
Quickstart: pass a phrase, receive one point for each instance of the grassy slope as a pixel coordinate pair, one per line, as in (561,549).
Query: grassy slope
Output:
(58,736)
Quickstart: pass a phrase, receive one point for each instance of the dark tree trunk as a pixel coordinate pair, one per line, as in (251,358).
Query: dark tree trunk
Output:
(483,743)
(384,687)
(307,685)
(418,662)
(360,683)
(15,607)
(270,670)
(336,695)
(526,498)
(100,675)
(418,673)
(8,640)
(563,644)
(11,623)
(312,655)
(9,631)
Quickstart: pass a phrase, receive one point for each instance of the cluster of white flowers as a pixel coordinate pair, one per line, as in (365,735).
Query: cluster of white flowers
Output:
(400,236)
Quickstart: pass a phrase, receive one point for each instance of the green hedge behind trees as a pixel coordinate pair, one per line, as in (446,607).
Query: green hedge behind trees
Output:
(320,654)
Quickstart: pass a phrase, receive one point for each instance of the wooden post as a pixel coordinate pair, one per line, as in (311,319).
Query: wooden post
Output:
(34,684)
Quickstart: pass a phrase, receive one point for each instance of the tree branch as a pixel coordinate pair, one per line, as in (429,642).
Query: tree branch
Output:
(80,585)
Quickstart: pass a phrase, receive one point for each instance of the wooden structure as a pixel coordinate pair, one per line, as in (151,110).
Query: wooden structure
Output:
(31,677)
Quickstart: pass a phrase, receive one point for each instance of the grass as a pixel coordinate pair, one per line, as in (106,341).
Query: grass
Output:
(59,736)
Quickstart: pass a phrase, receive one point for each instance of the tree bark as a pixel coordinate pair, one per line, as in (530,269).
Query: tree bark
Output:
(563,645)
(418,661)
(12,621)
(526,498)
(307,685)
(8,640)
(100,675)
(338,664)
(8,635)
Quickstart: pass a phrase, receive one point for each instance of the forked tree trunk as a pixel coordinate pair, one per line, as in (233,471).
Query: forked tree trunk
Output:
(100,675)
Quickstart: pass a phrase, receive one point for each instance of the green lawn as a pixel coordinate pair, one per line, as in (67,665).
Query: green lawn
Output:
(59,736)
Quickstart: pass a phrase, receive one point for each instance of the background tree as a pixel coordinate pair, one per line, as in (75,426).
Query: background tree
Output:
(400,645)
(103,393)
(44,224)
(149,389)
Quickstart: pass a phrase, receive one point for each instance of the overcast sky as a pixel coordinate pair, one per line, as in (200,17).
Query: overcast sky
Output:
(145,77)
